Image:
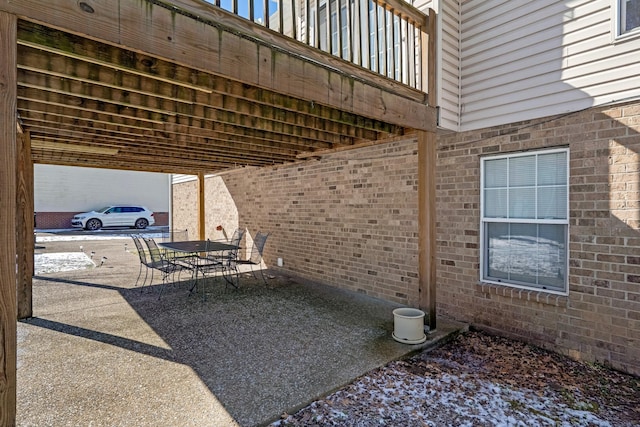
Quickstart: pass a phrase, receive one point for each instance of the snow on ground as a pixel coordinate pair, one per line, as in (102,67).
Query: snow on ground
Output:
(394,396)
(70,261)
(61,261)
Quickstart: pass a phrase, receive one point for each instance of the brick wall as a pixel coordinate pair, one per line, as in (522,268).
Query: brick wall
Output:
(220,208)
(184,207)
(54,220)
(350,220)
(600,318)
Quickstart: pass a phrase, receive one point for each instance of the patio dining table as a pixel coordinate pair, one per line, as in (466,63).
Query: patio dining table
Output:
(190,251)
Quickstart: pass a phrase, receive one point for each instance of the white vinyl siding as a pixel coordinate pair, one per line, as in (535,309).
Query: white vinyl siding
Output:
(449,65)
(447,58)
(524,60)
(180,178)
(79,189)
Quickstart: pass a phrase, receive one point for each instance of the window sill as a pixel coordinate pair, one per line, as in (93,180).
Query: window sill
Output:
(631,35)
(523,294)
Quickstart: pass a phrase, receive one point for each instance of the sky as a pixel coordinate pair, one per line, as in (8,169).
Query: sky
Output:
(243,7)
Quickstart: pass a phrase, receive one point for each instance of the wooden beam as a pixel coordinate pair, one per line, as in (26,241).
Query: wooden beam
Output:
(24,226)
(320,153)
(427,225)
(136,166)
(41,152)
(8,312)
(201,204)
(232,150)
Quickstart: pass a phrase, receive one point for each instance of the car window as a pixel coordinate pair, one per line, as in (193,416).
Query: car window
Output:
(103,210)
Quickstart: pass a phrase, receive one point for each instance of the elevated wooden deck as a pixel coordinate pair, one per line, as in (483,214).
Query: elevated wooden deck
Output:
(186,87)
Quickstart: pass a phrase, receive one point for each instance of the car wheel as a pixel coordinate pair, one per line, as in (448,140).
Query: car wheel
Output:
(141,223)
(93,224)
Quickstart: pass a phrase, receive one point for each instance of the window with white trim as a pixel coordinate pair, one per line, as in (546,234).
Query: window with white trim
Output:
(525,219)
(627,17)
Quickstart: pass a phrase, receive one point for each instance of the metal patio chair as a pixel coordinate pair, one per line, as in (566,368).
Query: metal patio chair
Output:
(159,262)
(144,261)
(255,259)
(227,256)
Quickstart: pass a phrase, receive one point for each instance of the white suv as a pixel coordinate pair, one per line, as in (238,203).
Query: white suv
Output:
(114,216)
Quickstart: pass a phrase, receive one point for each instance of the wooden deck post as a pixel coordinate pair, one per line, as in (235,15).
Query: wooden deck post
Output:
(24,225)
(8,120)
(427,142)
(427,225)
(201,201)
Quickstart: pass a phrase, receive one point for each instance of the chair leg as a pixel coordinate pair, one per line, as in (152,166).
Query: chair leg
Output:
(139,274)
(145,280)
(165,276)
(203,278)
(229,280)
(264,279)
(161,288)
(194,283)
(204,287)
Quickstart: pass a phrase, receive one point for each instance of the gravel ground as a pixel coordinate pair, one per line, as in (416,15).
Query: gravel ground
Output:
(480,380)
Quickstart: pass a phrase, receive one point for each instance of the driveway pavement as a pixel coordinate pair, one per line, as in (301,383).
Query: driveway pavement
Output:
(101,351)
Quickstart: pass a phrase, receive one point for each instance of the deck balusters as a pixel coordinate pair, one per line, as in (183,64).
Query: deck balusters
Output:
(388,37)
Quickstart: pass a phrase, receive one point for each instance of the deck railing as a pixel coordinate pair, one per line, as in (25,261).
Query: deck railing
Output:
(387,37)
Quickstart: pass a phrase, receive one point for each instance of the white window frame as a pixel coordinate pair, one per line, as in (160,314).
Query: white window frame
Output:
(619,12)
(484,221)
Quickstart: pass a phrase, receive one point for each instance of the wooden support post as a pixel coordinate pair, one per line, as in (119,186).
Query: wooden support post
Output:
(201,201)
(8,312)
(427,141)
(427,225)
(24,226)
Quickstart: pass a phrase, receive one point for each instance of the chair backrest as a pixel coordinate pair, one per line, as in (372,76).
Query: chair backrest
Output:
(259,241)
(232,254)
(237,236)
(154,251)
(140,249)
